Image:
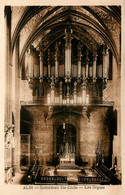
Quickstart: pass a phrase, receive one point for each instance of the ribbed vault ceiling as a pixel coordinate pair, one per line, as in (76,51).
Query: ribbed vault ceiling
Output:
(92,25)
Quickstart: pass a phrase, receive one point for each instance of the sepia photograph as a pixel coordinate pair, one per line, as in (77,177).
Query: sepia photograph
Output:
(62,105)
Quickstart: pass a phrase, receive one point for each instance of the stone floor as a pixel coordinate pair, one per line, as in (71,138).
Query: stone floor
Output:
(71,173)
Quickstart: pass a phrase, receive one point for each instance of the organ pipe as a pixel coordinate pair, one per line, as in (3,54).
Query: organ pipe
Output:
(79,60)
(41,65)
(68,52)
(31,62)
(94,65)
(105,62)
(56,61)
(49,66)
(87,64)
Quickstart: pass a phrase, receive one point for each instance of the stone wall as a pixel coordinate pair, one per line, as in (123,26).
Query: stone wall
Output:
(41,133)
(90,132)
(96,133)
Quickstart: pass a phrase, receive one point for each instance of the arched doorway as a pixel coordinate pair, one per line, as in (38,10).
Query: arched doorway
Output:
(66,141)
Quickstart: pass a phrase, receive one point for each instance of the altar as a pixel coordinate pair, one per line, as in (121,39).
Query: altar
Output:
(67,161)
(68,156)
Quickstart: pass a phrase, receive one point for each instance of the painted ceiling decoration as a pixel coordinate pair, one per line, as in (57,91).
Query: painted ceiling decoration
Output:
(92,25)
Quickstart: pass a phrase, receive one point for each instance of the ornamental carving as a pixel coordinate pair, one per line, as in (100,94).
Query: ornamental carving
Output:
(95,36)
(34,20)
(17,9)
(109,21)
(84,11)
(9,135)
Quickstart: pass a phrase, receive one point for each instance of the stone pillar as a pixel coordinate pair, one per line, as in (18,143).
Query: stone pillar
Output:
(60,92)
(49,65)
(87,64)
(68,52)
(105,62)
(16,104)
(8,66)
(94,66)
(79,60)
(56,61)
(75,92)
(41,65)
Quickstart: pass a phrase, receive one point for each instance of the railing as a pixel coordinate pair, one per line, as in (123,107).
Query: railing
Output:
(90,179)
(52,179)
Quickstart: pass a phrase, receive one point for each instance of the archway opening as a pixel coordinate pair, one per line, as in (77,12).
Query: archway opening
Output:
(66,143)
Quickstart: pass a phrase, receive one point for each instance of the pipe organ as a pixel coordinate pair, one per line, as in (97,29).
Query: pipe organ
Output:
(44,68)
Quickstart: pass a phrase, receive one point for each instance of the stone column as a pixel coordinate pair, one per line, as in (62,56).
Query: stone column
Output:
(8,66)
(41,65)
(56,61)
(60,92)
(16,103)
(79,60)
(68,52)
(49,66)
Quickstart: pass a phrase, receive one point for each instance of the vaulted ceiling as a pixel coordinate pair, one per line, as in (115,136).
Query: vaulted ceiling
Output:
(43,25)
